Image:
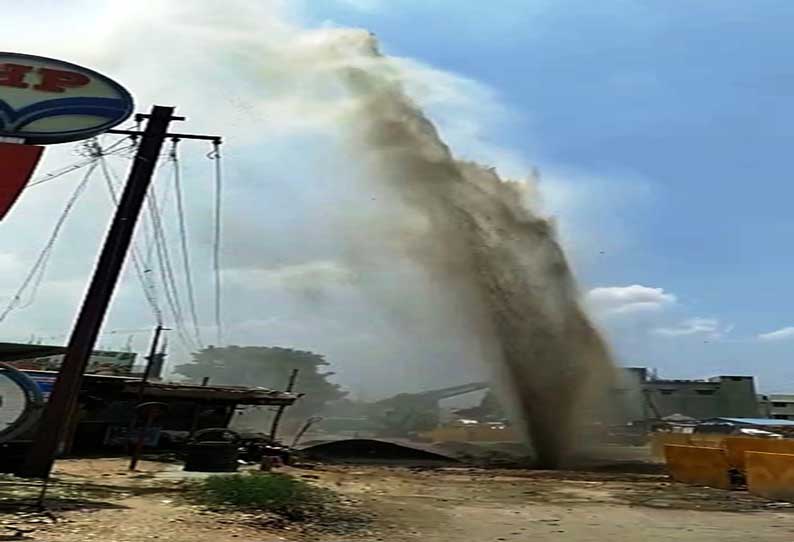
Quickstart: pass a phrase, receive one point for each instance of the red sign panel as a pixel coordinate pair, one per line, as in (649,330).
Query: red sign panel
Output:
(17,163)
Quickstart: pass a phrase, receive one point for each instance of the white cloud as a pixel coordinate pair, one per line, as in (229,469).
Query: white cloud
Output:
(710,327)
(610,300)
(363,5)
(9,263)
(314,274)
(777,335)
(583,204)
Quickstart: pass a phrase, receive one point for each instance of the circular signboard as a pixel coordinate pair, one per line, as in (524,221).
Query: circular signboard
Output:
(46,101)
(21,403)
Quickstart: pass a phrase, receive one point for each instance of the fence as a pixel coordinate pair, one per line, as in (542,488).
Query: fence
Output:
(770,475)
(660,440)
(698,465)
(737,447)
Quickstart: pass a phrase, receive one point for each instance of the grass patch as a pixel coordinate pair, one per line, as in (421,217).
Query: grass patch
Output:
(276,493)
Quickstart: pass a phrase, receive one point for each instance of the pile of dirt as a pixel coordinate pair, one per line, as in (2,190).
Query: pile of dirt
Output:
(372,451)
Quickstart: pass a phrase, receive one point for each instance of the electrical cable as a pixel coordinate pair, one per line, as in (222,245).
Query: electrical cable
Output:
(144,269)
(167,274)
(216,248)
(41,261)
(163,199)
(112,149)
(191,297)
(38,279)
(149,289)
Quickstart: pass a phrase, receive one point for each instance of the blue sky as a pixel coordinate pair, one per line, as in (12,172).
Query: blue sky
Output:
(690,99)
(660,129)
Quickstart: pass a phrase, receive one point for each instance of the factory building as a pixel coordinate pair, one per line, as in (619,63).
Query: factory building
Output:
(645,396)
(777,406)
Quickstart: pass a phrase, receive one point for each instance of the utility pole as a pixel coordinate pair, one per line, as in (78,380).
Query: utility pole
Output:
(282,408)
(151,360)
(63,401)
(59,415)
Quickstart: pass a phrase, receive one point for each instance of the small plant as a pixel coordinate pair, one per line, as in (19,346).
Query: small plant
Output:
(276,493)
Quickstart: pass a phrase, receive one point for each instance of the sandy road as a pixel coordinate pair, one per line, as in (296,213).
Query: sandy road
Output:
(471,505)
(408,505)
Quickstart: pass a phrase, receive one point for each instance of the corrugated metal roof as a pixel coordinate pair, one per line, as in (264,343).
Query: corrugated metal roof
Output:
(753,421)
(16,351)
(242,395)
(86,376)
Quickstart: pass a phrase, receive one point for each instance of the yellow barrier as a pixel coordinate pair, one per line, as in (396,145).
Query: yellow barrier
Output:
(660,440)
(770,475)
(698,466)
(705,440)
(737,447)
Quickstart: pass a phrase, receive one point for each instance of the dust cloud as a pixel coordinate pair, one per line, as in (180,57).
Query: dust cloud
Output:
(484,247)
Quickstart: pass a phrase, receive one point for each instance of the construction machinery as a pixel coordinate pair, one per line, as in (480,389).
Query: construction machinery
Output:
(406,414)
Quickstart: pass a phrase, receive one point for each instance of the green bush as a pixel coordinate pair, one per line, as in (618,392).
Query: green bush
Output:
(277,493)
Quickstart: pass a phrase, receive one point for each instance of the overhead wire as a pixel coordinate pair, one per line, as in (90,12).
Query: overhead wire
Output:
(166,272)
(142,258)
(216,243)
(116,147)
(36,282)
(163,200)
(132,331)
(143,264)
(33,280)
(36,273)
(111,149)
(191,296)
(155,240)
(147,285)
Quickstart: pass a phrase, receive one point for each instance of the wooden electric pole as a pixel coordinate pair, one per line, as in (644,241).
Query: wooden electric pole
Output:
(151,360)
(147,373)
(60,412)
(280,412)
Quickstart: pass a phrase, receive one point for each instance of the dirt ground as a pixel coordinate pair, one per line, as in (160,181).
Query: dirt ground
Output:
(99,500)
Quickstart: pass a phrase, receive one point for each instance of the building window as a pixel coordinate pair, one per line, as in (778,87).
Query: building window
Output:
(705,392)
(666,392)
(780,405)
(780,417)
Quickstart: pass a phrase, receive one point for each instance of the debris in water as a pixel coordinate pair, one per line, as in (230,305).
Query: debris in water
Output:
(494,256)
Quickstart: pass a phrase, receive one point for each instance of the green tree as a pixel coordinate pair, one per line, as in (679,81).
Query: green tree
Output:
(267,367)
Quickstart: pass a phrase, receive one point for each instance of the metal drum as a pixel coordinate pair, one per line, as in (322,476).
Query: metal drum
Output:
(213,450)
